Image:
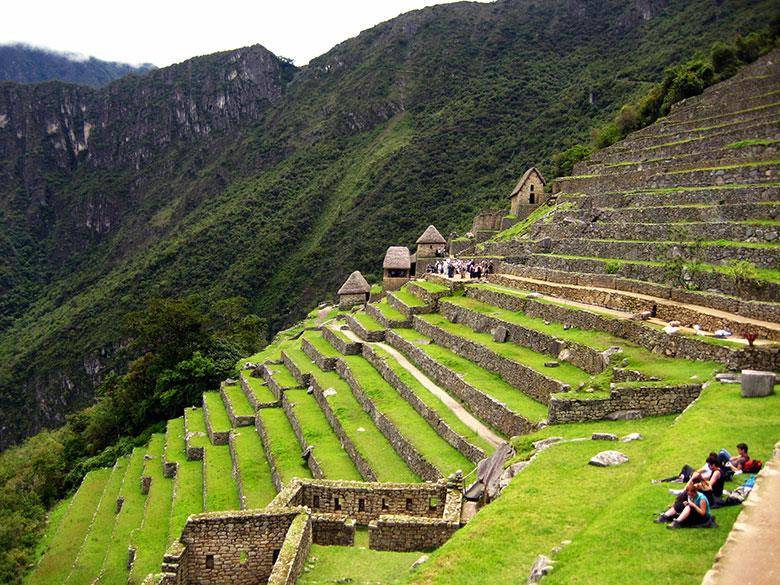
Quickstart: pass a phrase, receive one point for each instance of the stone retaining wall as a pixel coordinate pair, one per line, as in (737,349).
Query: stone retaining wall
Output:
(292,556)
(322,361)
(653,339)
(343,347)
(387,323)
(332,530)
(397,303)
(531,382)
(470,451)
(235,420)
(250,396)
(480,404)
(312,462)
(428,297)
(193,452)
(644,400)
(276,389)
(236,472)
(216,437)
(275,477)
(584,357)
(363,333)
(303,378)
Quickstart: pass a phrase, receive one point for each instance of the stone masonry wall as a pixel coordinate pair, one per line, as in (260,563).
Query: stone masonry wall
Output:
(275,477)
(473,453)
(236,472)
(235,420)
(332,530)
(646,400)
(253,399)
(536,385)
(217,437)
(314,465)
(388,323)
(292,557)
(323,362)
(480,404)
(344,347)
(193,452)
(396,303)
(363,333)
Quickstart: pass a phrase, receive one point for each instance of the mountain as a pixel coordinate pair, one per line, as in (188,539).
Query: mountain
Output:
(25,64)
(238,174)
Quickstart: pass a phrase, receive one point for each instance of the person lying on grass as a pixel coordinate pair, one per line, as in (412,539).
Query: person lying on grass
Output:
(687,472)
(693,509)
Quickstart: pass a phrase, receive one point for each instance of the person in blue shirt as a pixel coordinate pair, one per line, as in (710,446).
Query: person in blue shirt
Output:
(696,511)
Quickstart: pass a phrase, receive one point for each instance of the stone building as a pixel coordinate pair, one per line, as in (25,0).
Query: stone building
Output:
(528,194)
(397,267)
(354,291)
(429,244)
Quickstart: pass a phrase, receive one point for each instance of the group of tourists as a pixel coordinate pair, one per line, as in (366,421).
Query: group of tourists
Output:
(457,268)
(704,489)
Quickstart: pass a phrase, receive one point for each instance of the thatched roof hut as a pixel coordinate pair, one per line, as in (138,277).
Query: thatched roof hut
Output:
(397,258)
(431,236)
(356,284)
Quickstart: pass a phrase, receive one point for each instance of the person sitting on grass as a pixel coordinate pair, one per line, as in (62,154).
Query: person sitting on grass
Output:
(696,512)
(738,461)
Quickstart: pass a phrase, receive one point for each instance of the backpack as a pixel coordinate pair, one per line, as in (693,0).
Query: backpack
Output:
(752,466)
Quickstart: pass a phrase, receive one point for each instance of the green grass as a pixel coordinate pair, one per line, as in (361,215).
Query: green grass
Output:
(340,334)
(433,402)
(218,416)
(321,345)
(151,539)
(53,521)
(333,459)
(407,298)
(221,490)
(238,400)
(188,483)
(283,445)
(608,512)
(485,381)
(370,442)
(258,388)
(368,322)
(521,227)
(195,423)
(752,142)
(355,565)
(389,312)
(55,565)
(90,558)
(565,372)
(282,376)
(431,287)
(114,570)
(750,164)
(410,424)
(255,471)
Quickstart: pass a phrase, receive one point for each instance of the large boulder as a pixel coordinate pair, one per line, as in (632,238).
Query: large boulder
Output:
(608,459)
(756,384)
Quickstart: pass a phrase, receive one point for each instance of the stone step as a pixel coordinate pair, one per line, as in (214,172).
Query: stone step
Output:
(256,390)
(407,303)
(239,410)
(709,213)
(730,193)
(216,418)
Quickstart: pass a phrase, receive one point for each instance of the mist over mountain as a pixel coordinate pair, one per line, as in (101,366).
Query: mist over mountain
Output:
(27,64)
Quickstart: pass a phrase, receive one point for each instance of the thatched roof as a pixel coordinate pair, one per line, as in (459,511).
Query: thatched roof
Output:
(524,178)
(397,258)
(431,236)
(354,285)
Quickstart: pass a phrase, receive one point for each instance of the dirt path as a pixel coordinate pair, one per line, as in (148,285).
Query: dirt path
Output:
(751,555)
(456,407)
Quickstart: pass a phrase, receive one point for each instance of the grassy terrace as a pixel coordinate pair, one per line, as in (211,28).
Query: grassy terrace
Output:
(565,372)
(258,388)
(195,423)
(93,549)
(487,382)
(114,571)
(339,333)
(333,459)
(282,376)
(218,417)
(355,565)
(411,425)
(671,370)
(55,565)
(220,489)
(367,321)
(151,539)
(431,287)
(238,400)
(188,483)
(607,512)
(284,446)
(389,312)
(253,468)
(407,298)
(433,402)
(321,345)
(358,426)
(53,520)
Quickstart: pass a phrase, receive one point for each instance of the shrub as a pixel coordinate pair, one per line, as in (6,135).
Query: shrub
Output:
(724,60)
(565,161)
(612,266)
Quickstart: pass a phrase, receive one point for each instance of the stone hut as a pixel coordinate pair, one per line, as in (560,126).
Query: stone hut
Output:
(397,267)
(429,244)
(354,291)
(528,194)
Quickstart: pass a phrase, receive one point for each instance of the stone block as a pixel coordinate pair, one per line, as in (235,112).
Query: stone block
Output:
(632,437)
(603,437)
(500,334)
(608,459)
(757,384)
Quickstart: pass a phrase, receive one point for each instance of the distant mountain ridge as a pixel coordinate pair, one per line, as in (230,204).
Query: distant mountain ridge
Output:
(27,64)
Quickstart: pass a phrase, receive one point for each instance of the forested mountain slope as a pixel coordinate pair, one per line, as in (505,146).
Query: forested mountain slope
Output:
(236,174)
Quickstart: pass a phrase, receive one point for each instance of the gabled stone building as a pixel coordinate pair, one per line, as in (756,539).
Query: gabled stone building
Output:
(528,194)
(354,291)
(430,244)
(397,267)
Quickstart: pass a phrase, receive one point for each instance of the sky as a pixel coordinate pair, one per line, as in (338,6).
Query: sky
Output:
(163,32)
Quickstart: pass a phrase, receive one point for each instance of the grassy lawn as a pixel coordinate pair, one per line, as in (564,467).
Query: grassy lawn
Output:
(221,491)
(360,429)
(282,376)
(93,549)
(565,372)
(53,521)
(433,402)
(284,445)
(55,566)
(355,565)
(195,423)
(188,483)
(483,380)
(407,298)
(607,512)
(238,401)
(258,387)
(333,459)
(253,467)
(218,417)
(367,321)
(389,312)
(151,539)
(431,287)
(114,571)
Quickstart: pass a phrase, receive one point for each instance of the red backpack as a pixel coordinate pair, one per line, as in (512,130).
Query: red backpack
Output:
(752,466)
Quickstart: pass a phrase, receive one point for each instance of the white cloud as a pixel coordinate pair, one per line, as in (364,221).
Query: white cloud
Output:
(168,31)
